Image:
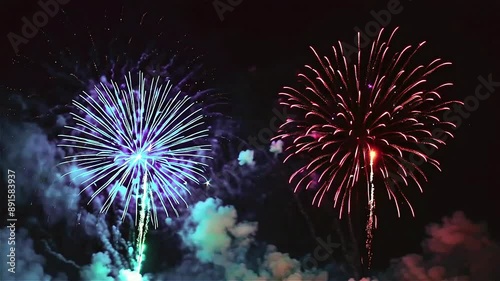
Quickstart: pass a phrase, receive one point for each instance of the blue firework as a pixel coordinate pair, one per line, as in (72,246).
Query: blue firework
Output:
(124,135)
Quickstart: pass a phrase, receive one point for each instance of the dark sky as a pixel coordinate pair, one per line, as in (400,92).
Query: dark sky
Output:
(272,38)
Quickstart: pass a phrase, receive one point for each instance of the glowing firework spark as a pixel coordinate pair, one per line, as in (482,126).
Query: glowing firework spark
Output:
(126,134)
(349,113)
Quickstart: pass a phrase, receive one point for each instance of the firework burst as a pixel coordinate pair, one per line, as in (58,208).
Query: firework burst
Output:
(131,137)
(347,113)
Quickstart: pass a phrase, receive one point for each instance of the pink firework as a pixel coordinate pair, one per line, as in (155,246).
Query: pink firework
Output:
(346,113)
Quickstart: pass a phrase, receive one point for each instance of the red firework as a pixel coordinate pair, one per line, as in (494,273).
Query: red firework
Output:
(346,113)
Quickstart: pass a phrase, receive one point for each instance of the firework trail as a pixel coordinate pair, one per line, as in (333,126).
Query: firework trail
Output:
(348,113)
(371,203)
(144,216)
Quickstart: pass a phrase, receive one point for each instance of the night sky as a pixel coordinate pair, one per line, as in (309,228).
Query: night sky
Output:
(259,47)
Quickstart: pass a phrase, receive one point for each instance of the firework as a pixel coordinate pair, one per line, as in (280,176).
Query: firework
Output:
(364,120)
(143,139)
